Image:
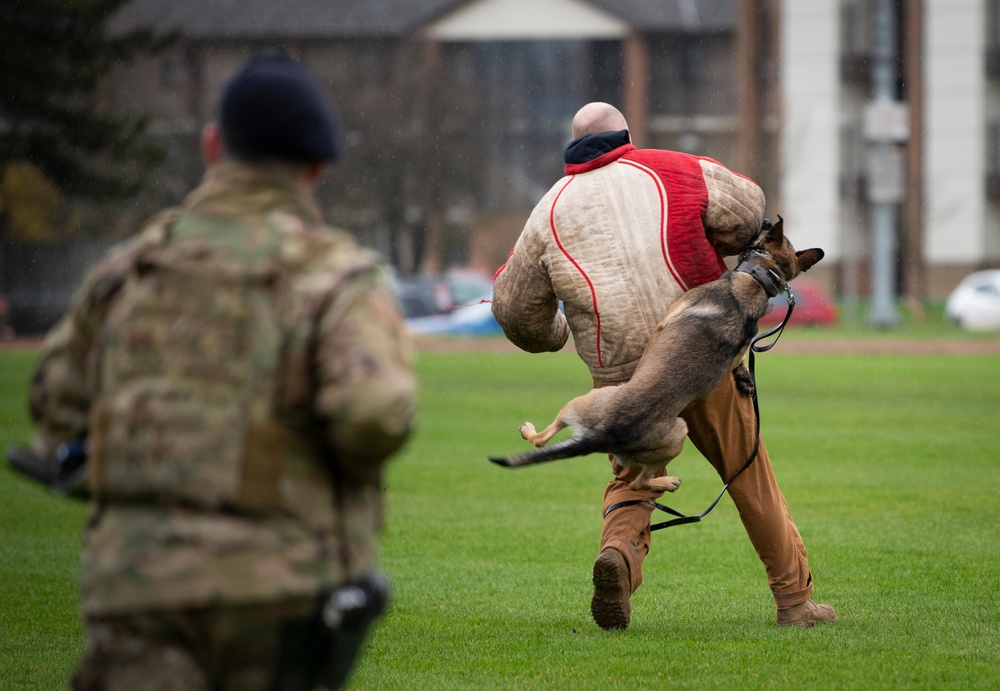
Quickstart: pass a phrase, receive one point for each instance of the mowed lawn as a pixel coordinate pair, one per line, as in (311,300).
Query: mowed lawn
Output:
(890,465)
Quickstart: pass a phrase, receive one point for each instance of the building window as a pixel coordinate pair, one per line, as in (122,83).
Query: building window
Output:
(691,75)
(462,64)
(369,57)
(175,70)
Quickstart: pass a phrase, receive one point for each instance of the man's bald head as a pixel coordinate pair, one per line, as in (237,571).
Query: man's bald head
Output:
(597,117)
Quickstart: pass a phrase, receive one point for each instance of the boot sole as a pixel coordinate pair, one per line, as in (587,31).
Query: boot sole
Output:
(610,606)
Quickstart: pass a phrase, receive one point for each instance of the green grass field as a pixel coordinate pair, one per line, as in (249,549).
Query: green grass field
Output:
(890,465)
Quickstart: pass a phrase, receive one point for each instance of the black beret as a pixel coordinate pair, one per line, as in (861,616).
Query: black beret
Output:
(274,108)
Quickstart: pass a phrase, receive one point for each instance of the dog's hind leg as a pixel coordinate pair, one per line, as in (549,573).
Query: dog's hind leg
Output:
(744,380)
(577,414)
(649,481)
(540,438)
(673,445)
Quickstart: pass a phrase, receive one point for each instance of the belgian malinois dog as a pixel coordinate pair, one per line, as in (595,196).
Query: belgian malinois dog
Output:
(703,337)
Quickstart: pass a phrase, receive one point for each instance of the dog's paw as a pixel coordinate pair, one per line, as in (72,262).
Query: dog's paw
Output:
(664,483)
(527,431)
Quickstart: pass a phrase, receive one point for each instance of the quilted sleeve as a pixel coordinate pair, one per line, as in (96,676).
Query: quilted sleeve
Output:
(735,208)
(524,302)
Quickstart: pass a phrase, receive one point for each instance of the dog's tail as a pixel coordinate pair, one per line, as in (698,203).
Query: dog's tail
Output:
(566,448)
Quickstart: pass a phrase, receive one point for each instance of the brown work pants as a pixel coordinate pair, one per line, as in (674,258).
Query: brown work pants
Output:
(722,427)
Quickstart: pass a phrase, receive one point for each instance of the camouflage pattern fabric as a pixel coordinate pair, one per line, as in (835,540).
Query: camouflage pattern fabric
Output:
(243,374)
(235,648)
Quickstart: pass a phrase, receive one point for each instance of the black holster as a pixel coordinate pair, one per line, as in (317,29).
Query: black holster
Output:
(320,651)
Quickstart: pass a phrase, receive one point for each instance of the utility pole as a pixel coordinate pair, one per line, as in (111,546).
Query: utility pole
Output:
(748,46)
(886,127)
(914,271)
(758,94)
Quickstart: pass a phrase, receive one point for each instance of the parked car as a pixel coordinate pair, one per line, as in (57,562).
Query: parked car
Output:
(456,303)
(422,296)
(428,295)
(975,303)
(813,306)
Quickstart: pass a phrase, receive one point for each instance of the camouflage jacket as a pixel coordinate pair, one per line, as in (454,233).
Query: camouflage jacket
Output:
(242,374)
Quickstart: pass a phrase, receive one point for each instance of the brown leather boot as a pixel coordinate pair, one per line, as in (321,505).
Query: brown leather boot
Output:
(806,614)
(612,589)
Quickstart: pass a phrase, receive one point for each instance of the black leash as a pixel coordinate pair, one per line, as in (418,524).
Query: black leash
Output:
(682,519)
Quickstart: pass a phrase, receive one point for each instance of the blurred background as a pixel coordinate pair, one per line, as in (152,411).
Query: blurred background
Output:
(872,125)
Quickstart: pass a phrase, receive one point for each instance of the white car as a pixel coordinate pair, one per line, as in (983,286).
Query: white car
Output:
(975,303)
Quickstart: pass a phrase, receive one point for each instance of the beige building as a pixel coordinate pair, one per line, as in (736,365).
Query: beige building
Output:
(456,112)
(948,67)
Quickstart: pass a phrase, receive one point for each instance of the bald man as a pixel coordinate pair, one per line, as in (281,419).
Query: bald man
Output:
(618,239)
(597,117)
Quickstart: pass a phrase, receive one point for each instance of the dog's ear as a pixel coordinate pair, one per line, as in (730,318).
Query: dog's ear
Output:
(777,230)
(807,258)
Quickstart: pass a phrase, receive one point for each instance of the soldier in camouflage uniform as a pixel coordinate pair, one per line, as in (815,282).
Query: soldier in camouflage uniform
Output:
(241,374)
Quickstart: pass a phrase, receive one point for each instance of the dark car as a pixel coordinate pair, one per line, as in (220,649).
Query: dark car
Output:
(429,295)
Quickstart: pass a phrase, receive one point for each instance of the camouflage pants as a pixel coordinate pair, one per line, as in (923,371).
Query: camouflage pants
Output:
(231,648)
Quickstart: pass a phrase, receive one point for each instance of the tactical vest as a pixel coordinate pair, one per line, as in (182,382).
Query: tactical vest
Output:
(191,365)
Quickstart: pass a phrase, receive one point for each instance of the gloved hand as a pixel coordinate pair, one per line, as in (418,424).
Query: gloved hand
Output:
(65,472)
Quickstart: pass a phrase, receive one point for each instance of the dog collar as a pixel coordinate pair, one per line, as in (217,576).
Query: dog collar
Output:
(769,281)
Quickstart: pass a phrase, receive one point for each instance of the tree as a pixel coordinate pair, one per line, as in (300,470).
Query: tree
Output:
(53,55)
(414,152)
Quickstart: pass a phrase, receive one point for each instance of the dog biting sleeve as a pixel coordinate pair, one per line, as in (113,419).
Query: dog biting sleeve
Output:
(735,208)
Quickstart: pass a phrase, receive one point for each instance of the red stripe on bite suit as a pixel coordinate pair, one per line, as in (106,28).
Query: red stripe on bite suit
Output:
(661,191)
(691,257)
